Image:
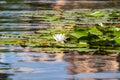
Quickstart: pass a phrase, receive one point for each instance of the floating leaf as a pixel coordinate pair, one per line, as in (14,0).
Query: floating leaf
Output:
(79,34)
(82,44)
(53,17)
(97,13)
(95,31)
(117,33)
(114,15)
(117,40)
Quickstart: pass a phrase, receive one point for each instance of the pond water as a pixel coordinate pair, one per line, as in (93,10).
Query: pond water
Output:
(24,65)
(58,66)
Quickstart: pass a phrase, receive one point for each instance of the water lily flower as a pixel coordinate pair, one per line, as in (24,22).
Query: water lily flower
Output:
(101,24)
(59,37)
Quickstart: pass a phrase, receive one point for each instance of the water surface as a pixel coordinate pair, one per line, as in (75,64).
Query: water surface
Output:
(46,66)
(17,64)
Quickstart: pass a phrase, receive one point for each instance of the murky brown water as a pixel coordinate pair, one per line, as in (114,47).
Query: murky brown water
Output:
(43,66)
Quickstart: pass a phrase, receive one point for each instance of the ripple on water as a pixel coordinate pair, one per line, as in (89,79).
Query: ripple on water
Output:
(43,66)
(23,65)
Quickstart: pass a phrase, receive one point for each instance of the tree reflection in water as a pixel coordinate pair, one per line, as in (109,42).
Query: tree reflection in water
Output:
(78,63)
(4,76)
(89,63)
(3,68)
(118,60)
(66,4)
(93,79)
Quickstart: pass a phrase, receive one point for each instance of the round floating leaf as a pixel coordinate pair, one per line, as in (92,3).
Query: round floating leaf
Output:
(82,44)
(95,31)
(79,34)
(117,40)
(117,33)
(97,13)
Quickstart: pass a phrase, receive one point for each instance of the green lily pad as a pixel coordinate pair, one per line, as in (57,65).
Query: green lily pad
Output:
(79,34)
(117,39)
(97,13)
(95,31)
(117,33)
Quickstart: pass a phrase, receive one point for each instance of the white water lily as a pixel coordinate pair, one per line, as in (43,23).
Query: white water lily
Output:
(59,37)
(101,24)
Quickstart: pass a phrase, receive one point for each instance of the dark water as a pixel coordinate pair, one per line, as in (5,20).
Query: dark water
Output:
(42,66)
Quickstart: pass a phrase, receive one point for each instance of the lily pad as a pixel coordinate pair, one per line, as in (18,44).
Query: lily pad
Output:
(79,34)
(95,31)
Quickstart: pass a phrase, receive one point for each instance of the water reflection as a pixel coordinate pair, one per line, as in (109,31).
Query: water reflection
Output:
(42,57)
(12,9)
(118,60)
(93,79)
(73,4)
(58,66)
(26,65)
(14,1)
(33,66)
(85,64)
(4,76)
(4,68)
(92,63)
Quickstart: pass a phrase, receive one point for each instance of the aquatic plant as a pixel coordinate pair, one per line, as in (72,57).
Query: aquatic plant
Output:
(59,37)
(78,29)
